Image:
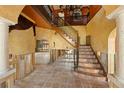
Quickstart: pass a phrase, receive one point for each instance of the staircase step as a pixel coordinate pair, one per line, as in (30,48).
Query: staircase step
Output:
(91,70)
(90,76)
(85,52)
(88,60)
(84,46)
(87,56)
(86,67)
(90,65)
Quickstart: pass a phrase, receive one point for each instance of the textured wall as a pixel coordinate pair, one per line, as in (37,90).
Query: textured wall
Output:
(82,33)
(99,29)
(50,35)
(110,8)
(11,12)
(111,52)
(21,42)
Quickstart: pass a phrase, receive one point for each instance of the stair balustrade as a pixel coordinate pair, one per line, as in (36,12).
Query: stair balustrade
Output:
(64,29)
(70,32)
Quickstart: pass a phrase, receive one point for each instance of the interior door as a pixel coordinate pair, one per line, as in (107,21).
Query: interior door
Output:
(88,40)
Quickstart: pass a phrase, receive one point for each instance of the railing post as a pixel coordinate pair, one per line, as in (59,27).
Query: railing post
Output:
(77,57)
(74,59)
(77,48)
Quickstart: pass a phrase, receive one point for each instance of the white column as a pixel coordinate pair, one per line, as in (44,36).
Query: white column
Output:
(4,63)
(120,48)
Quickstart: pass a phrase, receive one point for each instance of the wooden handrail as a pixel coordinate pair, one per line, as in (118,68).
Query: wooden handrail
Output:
(61,34)
(99,62)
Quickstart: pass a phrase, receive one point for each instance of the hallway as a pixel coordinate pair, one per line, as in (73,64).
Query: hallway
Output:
(59,74)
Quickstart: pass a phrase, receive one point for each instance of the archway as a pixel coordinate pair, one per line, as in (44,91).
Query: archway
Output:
(111,52)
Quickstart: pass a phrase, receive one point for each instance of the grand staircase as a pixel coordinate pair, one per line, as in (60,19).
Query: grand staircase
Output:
(89,65)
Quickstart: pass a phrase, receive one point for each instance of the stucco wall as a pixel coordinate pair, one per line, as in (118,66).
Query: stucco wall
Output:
(109,8)
(50,35)
(11,12)
(99,29)
(21,42)
(111,52)
(82,33)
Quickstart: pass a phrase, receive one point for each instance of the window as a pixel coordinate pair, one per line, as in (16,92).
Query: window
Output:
(42,45)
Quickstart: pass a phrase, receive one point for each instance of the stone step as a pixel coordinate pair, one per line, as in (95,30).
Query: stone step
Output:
(84,47)
(96,77)
(90,65)
(91,70)
(91,60)
(89,50)
(85,52)
(87,56)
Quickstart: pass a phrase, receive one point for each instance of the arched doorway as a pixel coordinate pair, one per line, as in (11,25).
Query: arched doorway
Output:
(111,52)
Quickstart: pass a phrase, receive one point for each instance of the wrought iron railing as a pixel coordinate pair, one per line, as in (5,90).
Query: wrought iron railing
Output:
(73,34)
(68,30)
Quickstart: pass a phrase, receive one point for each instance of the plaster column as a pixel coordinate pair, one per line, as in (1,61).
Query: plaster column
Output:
(120,49)
(4,63)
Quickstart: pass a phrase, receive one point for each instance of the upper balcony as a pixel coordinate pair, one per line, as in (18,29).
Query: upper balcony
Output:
(74,14)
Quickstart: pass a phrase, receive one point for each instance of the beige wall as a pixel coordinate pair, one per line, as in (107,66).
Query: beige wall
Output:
(111,52)
(82,33)
(21,42)
(11,12)
(80,29)
(52,37)
(99,29)
(110,8)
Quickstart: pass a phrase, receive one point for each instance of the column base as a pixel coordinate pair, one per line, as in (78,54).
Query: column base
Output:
(3,72)
(7,78)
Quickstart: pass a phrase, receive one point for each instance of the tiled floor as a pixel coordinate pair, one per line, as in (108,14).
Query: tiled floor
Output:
(59,74)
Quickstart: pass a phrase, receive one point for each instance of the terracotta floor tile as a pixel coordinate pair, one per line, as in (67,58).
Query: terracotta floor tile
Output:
(58,75)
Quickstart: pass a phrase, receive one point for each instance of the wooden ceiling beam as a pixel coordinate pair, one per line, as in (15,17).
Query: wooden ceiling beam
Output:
(28,17)
(40,21)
